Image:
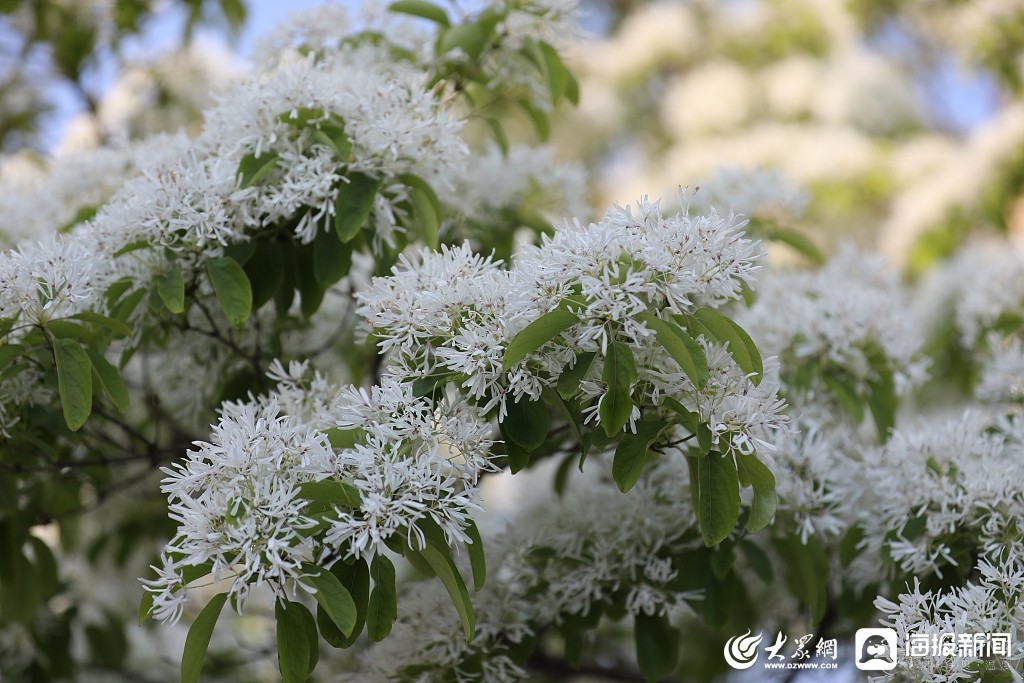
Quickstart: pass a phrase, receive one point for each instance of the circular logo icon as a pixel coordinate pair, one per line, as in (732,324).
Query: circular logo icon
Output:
(741,651)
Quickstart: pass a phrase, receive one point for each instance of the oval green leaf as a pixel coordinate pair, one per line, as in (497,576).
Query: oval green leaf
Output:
(74,381)
(449,574)
(334,598)
(382,609)
(536,334)
(110,380)
(686,352)
(295,648)
(718,496)
(631,454)
(421,8)
(741,346)
(619,375)
(762,510)
(230,284)
(198,639)
(353,204)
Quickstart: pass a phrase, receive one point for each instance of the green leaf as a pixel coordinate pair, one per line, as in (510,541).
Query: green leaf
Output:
(446,570)
(518,457)
(808,573)
(126,306)
(657,646)
(9,352)
(799,242)
(846,395)
(45,567)
(253,169)
(356,579)
(762,509)
(758,560)
(718,497)
(133,246)
(115,326)
(333,597)
(345,438)
(571,377)
(331,491)
(353,204)
(541,121)
(198,639)
(232,288)
(572,88)
(631,453)
(526,423)
(429,385)
(310,289)
(500,137)
(332,135)
(686,352)
(705,438)
(382,609)
(145,605)
(741,346)
(170,285)
(882,393)
(554,70)
(297,652)
(265,270)
(690,420)
(536,334)
(110,380)
(427,206)
(471,38)
(477,557)
(74,381)
(421,8)
(66,328)
(849,545)
(619,375)
(331,258)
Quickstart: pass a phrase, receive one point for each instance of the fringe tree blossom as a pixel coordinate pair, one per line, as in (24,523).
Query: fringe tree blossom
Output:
(758,192)
(457,312)
(1002,375)
(845,324)
(590,551)
(986,289)
(239,502)
(988,604)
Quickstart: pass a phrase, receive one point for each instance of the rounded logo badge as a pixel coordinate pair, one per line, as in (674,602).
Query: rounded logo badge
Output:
(876,649)
(741,651)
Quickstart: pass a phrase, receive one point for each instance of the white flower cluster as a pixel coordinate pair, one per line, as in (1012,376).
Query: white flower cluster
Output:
(238,500)
(592,549)
(928,499)
(1002,375)
(529,176)
(988,604)
(188,197)
(457,312)
(761,192)
(236,503)
(835,317)
(811,473)
(55,278)
(984,285)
